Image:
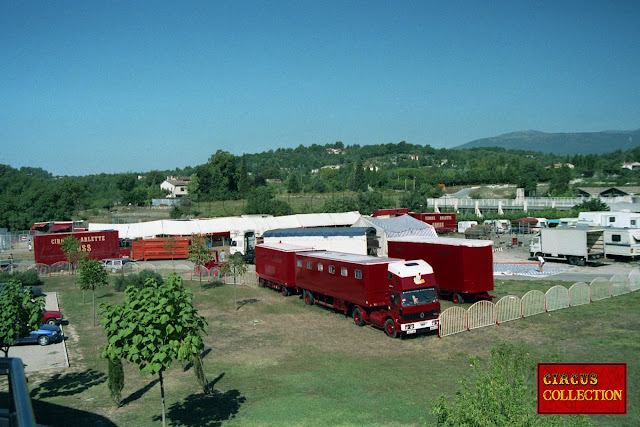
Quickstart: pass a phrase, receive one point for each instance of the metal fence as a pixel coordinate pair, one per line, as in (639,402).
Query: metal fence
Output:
(484,313)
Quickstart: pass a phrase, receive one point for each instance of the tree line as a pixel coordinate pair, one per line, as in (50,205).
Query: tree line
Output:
(29,195)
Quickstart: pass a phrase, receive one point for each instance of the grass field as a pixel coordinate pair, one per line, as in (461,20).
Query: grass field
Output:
(275,361)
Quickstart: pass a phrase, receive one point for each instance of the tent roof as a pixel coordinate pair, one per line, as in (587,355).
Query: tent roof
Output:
(398,226)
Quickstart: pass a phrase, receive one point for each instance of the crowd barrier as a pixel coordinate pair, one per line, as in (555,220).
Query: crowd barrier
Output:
(485,313)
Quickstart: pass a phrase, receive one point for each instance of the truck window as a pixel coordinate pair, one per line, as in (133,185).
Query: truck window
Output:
(320,266)
(358,274)
(332,269)
(344,272)
(419,296)
(395,299)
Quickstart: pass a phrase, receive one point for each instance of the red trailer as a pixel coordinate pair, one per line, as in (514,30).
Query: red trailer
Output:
(160,248)
(397,296)
(275,266)
(390,212)
(47,248)
(442,222)
(463,268)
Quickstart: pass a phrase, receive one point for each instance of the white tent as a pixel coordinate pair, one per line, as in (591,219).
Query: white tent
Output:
(399,226)
(232,225)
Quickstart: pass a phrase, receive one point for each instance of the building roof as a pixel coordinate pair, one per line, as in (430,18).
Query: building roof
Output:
(608,191)
(319,231)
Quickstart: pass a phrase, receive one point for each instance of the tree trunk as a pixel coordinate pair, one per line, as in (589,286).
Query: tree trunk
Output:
(94,306)
(164,419)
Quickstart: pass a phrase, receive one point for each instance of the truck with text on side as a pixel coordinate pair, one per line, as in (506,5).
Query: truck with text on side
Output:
(442,222)
(463,268)
(577,245)
(276,266)
(397,296)
(47,248)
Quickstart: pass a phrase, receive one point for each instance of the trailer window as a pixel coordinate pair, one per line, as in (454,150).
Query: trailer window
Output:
(615,238)
(309,265)
(612,219)
(332,269)
(358,274)
(633,222)
(344,272)
(320,266)
(299,263)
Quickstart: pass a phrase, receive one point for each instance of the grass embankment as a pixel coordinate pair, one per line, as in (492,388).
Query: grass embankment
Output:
(275,361)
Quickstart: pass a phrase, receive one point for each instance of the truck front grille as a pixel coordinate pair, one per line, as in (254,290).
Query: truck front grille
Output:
(419,315)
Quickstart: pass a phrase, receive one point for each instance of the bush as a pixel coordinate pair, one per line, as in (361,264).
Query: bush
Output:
(137,280)
(27,278)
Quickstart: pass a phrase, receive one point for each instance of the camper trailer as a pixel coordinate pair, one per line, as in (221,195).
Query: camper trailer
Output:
(622,242)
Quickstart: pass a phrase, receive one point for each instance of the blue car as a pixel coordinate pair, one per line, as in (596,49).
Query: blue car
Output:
(47,334)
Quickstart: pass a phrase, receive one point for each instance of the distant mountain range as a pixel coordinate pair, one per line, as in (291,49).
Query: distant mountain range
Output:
(562,143)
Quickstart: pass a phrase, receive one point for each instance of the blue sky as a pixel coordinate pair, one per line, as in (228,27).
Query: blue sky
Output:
(122,86)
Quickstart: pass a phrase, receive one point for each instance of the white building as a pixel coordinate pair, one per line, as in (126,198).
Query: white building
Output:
(176,186)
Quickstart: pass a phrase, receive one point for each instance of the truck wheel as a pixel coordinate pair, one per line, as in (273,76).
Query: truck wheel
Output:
(285,291)
(357,316)
(581,262)
(308,298)
(43,340)
(51,321)
(457,299)
(390,328)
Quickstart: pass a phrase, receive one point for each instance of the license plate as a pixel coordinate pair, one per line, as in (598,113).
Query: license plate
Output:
(411,331)
(433,327)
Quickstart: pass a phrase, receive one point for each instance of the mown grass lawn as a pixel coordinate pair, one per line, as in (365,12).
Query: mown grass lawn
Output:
(275,361)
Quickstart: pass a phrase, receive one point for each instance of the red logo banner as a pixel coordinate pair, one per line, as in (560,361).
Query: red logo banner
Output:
(582,388)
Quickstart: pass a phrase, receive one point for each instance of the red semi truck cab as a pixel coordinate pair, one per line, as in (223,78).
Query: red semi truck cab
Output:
(397,296)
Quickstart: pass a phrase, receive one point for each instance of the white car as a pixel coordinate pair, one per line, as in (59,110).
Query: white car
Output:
(115,265)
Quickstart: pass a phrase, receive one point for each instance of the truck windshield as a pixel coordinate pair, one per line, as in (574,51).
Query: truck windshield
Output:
(419,296)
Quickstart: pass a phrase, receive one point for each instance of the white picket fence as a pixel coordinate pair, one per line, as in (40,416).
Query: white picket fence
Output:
(485,313)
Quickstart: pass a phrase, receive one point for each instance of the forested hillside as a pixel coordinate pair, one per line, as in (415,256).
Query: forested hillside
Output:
(28,195)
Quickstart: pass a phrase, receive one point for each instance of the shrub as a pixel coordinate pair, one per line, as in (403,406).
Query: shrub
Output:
(27,278)
(136,280)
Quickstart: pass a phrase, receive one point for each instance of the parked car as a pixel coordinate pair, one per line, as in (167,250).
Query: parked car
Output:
(37,290)
(52,317)
(45,335)
(115,265)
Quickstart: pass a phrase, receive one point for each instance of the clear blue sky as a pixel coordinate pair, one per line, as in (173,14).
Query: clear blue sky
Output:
(116,86)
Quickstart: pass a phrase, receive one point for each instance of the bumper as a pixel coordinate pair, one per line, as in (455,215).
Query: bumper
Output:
(413,327)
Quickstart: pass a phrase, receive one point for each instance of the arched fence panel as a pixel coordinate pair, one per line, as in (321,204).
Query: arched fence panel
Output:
(60,267)
(508,308)
(481,314)
(144,265)
(130,267)
(634,280)
(532,303)
(452,321)
(600,289)
(579,294)
(249,278)
(557,297)
(42,269)
(619,284)
(184,271)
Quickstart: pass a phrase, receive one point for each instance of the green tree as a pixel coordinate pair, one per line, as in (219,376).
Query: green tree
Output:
(152,327)
(591,205)
(70,246)
(115,378)
(170,244)
(92,276)
(199,254)
(499,394)
(243,178)
(237,267)
(293,183)
(21,313)
(359,180)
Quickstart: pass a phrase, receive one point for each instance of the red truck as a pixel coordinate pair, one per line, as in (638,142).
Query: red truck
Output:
(47,248)
(391,294)
(442,222)
(463,268)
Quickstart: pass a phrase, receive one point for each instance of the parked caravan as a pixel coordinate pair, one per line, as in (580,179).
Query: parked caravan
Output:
(610,219)
(622,242)
(464,225)
(353,240)
(499,226)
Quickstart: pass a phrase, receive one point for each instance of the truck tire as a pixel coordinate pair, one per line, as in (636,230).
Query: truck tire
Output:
(572,260)
(390,328)
(581,262)
(358,319)
(457,298)
(308,298)
(284,290)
